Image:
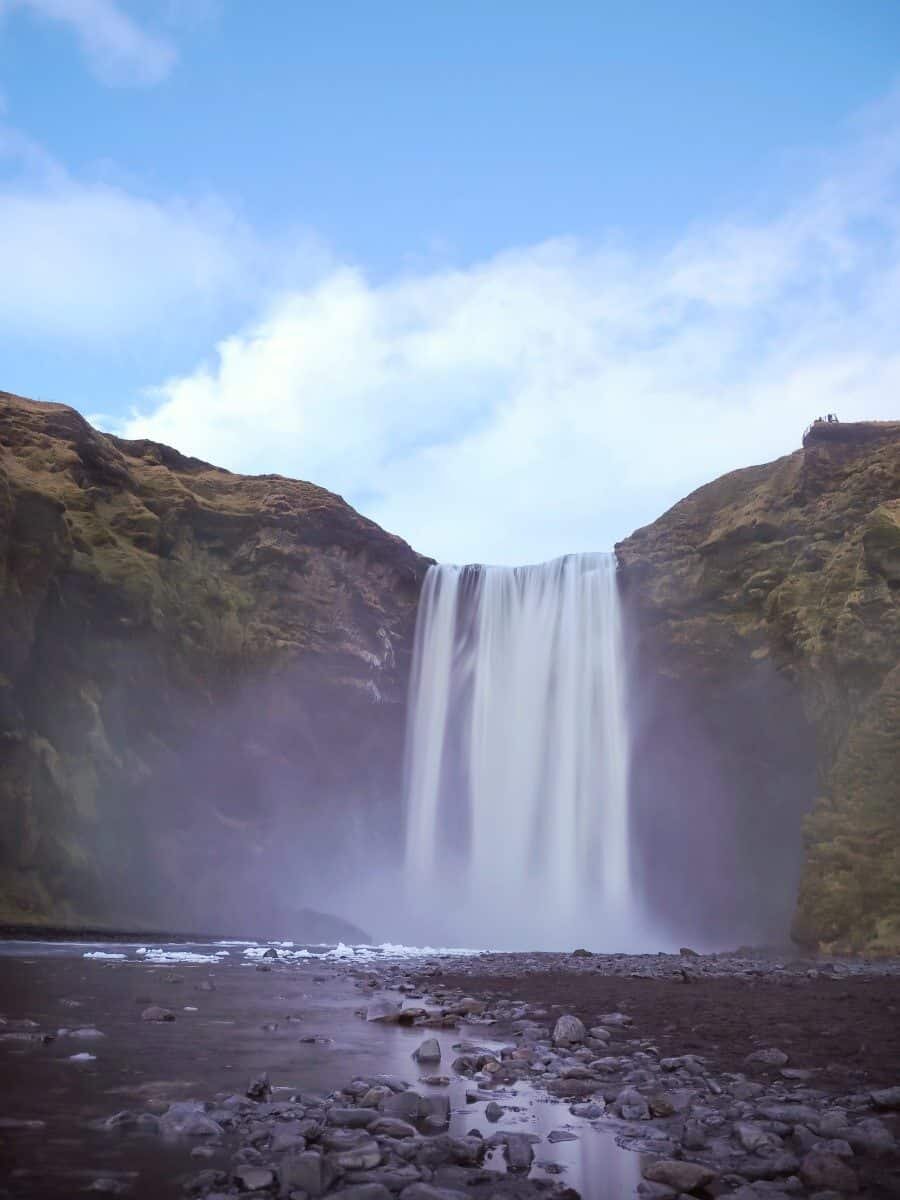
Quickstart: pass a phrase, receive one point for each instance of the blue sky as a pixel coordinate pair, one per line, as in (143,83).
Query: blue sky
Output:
(512,277)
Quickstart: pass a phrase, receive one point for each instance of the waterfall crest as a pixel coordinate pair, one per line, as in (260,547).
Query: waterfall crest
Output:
(517,757)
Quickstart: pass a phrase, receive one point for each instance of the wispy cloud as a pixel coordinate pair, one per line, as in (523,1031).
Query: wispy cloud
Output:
(555,396)
(548,399)
(95,261)
(119,51)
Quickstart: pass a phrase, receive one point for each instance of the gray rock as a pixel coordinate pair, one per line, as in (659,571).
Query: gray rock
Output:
(429,1051)
(188,1118)
(437,1111)
(203,1181)
(886,1098)
(616,1018)
(754,1139)
(424,1191)
(872,1136)
(592,1110)
(770,1057)
(259,1088)
(406,1106)
(252,1179)
(88,1033)
(693,1135)
(363,1191)
(630,1105)
(386,1011)
(352,1118)
(568,1031)
(493,1111)
(822,1170)
(156,1013)
(306,1172)
(561,1135)
(789,1114)
(682,1176)
(771,1167)
(392,1127)
(518,1152)
(364,1156)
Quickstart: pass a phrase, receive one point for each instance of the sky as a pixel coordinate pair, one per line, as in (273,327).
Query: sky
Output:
(511,277)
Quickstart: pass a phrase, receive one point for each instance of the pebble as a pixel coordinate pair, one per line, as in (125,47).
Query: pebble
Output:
(156,1013)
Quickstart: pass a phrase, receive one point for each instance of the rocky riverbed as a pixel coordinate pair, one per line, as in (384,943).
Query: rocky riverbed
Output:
(252,1072)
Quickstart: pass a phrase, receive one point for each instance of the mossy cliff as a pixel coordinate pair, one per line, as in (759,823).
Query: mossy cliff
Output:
(202,681)
(780,584)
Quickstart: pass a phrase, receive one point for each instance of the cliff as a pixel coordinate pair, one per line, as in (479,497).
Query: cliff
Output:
(202,684)
(765,613)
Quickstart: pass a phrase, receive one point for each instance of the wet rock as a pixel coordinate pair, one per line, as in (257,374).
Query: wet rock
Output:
(630,1105)
(352,1118)
(363,1191)
(306,1172)
(661,1104)
(386,1011)
(407,1106)
(568,1031)
(365,1155)
(290,1136)
(872,1136)
(493,1111)
(769,1057)
(437,1112)
(259,1088)
(771,1167)
(593,1110)
(886,1098)
(754,1139)
(561,1135)
(789,1114)
(252,1179)
(469,1007)
(429,1051)
(424,1191)
(693,1135)
(188,1118)
(156,1013)
(518,1152)
(822,1170)
(391,1127)
(121,1120)
(204,1181)
(682,1176)
(616,1019)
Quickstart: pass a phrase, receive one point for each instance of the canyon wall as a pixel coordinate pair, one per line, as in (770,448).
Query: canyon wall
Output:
(202,685)
(765,623)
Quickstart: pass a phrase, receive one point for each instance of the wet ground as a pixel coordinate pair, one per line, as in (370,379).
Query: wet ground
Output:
(299,1022)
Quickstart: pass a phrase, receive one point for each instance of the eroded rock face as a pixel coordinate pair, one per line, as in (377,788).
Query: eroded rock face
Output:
(765,617)
(202,683)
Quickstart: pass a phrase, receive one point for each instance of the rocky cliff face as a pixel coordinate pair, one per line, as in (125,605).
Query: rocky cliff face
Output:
(202,684)
(765,612)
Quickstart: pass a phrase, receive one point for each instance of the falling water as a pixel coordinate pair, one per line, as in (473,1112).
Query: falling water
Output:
(517,757)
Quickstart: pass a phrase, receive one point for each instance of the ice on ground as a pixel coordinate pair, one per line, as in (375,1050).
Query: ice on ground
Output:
(101,954)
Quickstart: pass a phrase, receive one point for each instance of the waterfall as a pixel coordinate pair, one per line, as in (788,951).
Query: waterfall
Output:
(517,757)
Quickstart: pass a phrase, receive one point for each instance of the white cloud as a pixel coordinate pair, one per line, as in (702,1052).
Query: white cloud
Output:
(99,263)
(118,50)
(555,396)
